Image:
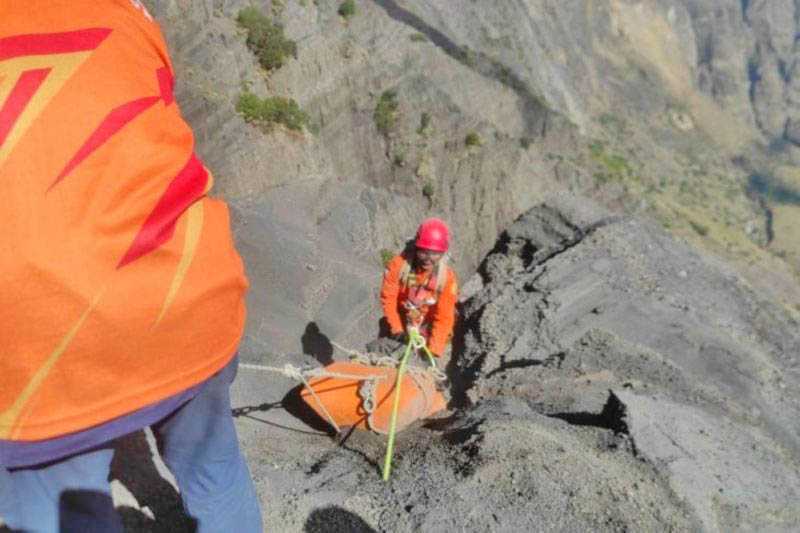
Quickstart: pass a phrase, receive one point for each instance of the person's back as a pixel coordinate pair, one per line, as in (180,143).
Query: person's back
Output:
(122,293)
(120,285)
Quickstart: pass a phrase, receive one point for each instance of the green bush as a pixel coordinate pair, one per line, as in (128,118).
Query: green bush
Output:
(597,149)
(617,167)
(472,139)
(613,123)
(270,111)
(424,122)
(700,229)
(428,190)
(385,114)
(266,39)
(347,8)
(601,178)
(418,37)
(386,256)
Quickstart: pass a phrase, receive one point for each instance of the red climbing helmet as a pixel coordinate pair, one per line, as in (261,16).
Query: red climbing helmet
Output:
(433,234)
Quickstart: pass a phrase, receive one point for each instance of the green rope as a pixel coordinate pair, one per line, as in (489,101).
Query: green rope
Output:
(430,356)
(414,339)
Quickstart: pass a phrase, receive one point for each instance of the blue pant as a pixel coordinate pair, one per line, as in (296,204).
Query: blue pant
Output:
(197,442)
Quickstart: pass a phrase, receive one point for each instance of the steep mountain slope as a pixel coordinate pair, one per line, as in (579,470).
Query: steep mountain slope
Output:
(645,106)
(328,202)
(608,378)
(625,367)
(608,322)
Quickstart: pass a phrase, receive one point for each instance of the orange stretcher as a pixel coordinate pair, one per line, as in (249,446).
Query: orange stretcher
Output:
(362,396)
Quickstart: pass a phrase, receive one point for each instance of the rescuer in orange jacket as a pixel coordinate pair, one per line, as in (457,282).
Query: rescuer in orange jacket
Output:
(420,291)
(121,293)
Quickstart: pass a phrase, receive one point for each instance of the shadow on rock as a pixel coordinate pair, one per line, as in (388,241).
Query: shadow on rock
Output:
(133,466)
(532,107)
(461,375)
(334,520)
(317,344)
(296,407)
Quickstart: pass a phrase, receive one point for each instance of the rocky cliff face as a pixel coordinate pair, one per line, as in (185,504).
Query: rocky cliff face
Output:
(627,364)
(607,322)
(648,107)
(607,378)
(774,88)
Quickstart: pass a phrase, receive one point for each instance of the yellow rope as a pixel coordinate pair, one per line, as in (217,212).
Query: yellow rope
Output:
(387,462)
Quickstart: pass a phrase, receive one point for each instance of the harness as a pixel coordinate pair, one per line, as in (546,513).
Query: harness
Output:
(422,293)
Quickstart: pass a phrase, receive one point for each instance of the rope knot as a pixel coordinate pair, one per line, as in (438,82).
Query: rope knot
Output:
(291,371)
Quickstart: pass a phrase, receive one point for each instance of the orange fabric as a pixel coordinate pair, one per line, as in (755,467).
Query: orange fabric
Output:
(440,317)
(340,397)
(119,282)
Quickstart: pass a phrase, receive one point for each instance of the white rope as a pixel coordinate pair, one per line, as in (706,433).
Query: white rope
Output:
(321,405)
(291,371)
(385,360)
(367,393)
(343,349)
(294,372)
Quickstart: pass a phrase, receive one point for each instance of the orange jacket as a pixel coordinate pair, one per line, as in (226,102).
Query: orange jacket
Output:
(119,283)
(439,317)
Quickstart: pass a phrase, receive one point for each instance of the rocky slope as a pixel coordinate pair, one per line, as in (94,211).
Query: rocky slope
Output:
(606,378)
(609,323)
(632,365)
(646,106)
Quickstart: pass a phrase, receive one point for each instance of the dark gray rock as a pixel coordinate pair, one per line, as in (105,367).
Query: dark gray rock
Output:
(731,474)
(539,82)
(593,347)
(606,377)
(705,390)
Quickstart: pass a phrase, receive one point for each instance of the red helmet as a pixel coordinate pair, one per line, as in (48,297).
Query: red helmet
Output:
(433,234)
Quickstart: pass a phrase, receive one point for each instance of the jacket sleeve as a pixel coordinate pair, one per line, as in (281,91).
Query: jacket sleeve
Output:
(390,289)
(445,316)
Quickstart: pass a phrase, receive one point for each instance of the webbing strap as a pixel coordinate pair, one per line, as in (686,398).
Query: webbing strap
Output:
(441,274)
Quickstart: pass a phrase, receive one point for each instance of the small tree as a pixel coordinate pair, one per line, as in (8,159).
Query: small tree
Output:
(424,122)
(347,8)
(385,114)
(386,256)
(472,139)
(266,39)
(267,112)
